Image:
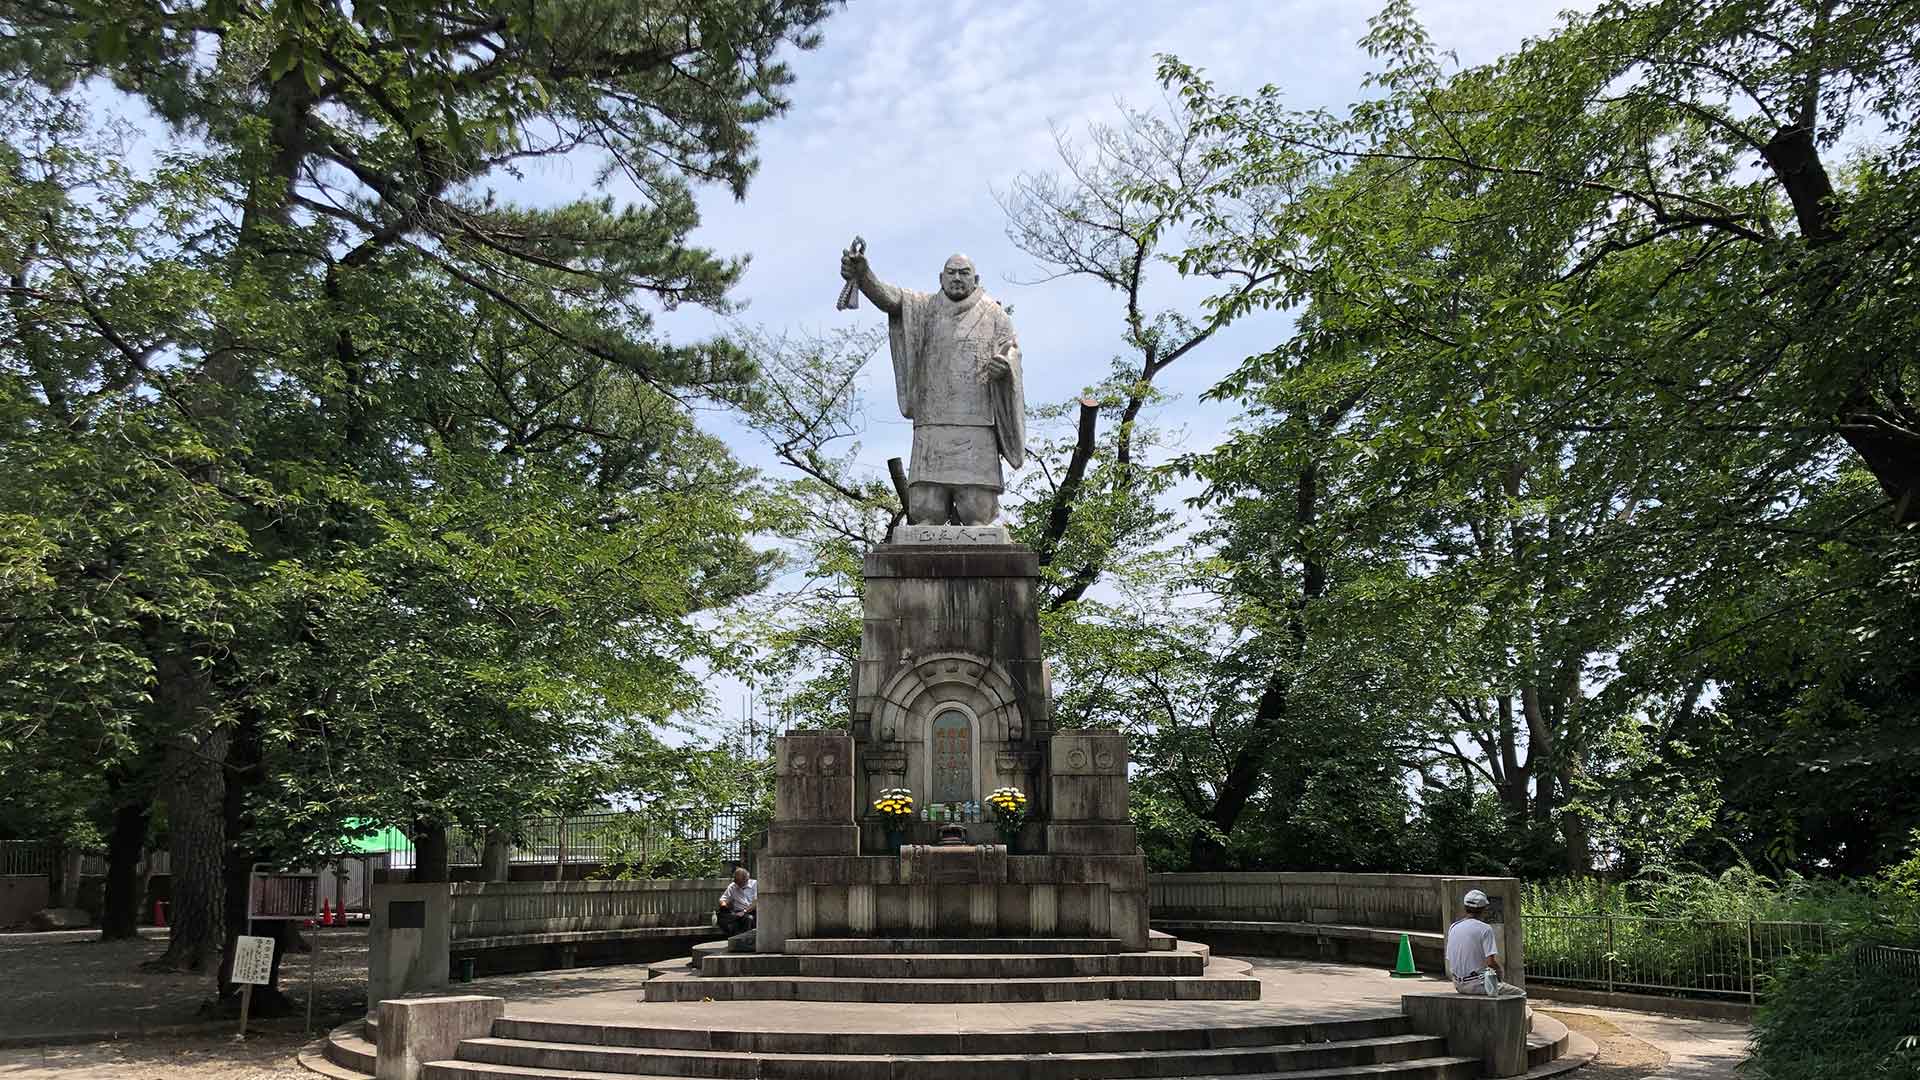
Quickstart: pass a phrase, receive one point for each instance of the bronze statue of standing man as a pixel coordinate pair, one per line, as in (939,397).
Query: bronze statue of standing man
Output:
(956,368)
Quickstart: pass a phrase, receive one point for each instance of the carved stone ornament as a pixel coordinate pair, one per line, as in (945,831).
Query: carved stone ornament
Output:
(912,697)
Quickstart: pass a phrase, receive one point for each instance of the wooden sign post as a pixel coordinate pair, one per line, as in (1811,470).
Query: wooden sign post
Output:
(252,966)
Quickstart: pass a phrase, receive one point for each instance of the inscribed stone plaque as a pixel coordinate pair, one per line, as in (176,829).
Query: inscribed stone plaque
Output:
(407,915)
(952,762)
(950,534)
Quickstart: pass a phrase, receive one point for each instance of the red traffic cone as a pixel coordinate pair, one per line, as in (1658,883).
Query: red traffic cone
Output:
(159,913)
(326,913)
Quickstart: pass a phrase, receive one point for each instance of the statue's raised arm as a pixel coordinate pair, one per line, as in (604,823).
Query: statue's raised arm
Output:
(956,372)
(855,269)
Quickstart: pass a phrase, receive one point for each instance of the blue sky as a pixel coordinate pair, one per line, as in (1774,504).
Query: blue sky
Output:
(911,115)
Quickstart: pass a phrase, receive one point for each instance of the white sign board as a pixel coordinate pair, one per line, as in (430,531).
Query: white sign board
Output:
(253,961)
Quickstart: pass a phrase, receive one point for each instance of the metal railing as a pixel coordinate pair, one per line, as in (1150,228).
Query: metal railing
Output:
(1896,959)
(1646,954)
(27,858)
(592,838)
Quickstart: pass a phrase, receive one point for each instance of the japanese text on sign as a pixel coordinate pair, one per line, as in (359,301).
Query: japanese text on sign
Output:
(253,961)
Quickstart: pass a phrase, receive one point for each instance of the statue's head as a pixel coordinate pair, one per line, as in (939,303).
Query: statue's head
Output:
(958,279)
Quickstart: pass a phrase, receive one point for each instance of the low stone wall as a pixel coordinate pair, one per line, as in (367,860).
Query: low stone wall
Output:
(20,896)
(485,909)
(419,931)
(1348,917)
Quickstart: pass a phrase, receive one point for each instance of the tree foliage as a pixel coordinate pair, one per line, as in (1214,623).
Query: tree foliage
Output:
(364,491)
(1600,349)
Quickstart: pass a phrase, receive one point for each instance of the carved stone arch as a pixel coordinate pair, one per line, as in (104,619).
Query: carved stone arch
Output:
(907,700)
(983,691)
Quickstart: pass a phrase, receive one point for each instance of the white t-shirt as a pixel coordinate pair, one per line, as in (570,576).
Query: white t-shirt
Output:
(738,899)
(1469,943)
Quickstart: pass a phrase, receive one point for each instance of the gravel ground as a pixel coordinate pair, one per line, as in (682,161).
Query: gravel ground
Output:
(266,1055)
(63,989)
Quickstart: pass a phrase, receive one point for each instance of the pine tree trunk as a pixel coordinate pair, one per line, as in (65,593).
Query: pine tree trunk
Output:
(120,909)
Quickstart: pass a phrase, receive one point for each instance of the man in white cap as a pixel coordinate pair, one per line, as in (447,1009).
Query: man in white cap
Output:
(1473,951)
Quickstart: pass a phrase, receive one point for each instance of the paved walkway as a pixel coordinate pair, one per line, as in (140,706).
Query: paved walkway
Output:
(1695,1049)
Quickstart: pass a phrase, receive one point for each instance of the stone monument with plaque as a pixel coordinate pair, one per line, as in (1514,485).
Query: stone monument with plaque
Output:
(950,693)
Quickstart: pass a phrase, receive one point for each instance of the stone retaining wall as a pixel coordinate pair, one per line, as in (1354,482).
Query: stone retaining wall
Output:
(1306,913)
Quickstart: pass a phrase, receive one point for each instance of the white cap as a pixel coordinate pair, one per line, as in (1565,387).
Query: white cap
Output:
(1474,898)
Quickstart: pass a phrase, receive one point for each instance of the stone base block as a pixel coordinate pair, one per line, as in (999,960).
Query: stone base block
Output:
(408,940)
(1092,839)
(812,839)
(414,1031)
(1491,1029)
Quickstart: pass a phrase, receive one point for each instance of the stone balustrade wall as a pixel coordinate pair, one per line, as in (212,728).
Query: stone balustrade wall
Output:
(1340,908)
(497,908)
(1392,901)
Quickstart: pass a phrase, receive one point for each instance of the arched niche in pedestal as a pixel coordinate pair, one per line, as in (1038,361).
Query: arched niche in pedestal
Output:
(938,705)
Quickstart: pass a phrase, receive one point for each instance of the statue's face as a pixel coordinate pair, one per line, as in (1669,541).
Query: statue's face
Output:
(957,278)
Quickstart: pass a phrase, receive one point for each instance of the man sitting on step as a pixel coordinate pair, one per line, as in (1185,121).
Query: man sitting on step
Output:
(1473,951)
(736,904)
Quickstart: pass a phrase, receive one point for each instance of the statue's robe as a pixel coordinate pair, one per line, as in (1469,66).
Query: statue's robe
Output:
(964,422)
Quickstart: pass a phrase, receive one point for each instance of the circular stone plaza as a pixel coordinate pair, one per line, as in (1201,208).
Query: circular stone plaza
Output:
(944,1008)
(891,946)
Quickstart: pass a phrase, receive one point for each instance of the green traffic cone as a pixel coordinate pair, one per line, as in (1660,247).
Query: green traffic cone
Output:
(1403,968)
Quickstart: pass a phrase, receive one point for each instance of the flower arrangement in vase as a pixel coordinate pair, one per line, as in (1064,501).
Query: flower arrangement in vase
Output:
(1009,805)
(895,808)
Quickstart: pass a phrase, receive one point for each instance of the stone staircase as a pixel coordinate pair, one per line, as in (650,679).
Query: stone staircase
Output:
(1377,1048)
(1082,1009)
(957,971)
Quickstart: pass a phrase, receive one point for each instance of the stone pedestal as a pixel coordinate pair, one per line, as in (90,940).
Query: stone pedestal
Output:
(415,1031)
(1491,1029)
(813,820)
(407,940)
(951,701)
(1087,794)
(950,694)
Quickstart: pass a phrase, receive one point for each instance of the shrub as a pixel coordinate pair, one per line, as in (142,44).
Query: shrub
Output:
(1834,1017)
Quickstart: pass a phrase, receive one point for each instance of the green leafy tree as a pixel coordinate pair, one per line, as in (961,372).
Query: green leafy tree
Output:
(1606,379)
(429,440)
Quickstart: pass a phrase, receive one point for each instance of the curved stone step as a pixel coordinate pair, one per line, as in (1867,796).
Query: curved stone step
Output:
(954,991)
(1434,1068)
(826,946)
(952,965)
(348,1047)
(1079,1040)
(1225,1061)
(1547,1041)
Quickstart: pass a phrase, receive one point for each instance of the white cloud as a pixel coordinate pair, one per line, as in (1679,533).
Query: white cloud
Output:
(911,114)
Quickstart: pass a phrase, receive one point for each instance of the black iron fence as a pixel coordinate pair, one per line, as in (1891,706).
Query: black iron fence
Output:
(1718,958)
